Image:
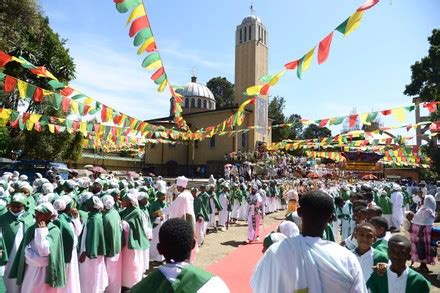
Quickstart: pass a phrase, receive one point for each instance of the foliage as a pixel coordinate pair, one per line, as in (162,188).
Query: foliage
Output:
(223,91)
(314,131)
(276,112)
(425,83)
(39,44)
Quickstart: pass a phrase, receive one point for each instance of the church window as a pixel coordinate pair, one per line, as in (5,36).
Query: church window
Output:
(245,34)
(211,105)
(244,140)
(265,39)
(199,103)
(193,103)
(186,103)
(241,35)
(259,33)
(205,104)
(212,142)
(250,32)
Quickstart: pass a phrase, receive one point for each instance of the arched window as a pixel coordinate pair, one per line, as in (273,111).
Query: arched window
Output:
(205,104)
(186,103)
(193,103)
(245,34)
(241,35)
(199,103)
(250,32)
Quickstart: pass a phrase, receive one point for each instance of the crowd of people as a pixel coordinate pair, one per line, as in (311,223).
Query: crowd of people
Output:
(117,234)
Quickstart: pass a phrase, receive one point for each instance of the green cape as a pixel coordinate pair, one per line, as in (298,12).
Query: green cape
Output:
(112,232)
(154,207)
(63,223)
(190,279)
(415,283)
(95,240)
(55,271)
(136,238)
(9,225)
(200,209)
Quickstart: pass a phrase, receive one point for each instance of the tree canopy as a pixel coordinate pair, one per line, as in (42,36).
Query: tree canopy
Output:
(314,131)
(25,32)
(425,83)
(276,112)
(223,91)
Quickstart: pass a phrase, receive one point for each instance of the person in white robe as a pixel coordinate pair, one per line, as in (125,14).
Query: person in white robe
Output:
(397,214)
(288,228)
(255,214)
(224,201)
(306,263)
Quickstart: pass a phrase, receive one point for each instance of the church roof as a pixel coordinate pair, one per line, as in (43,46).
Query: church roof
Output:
(251,18)
(195,89)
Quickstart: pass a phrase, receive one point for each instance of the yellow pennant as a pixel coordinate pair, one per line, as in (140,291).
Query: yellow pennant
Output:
(276,77)
(83,127)
(399,114)
(74,107)
(22,88)
(144,46)
(51,128)
(253,90)
(29,125)
(353,22)
(307,60)
(136,13)
(35,118)
(155,65)
(162,85)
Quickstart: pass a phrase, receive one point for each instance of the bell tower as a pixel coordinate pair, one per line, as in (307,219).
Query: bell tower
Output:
(251,63)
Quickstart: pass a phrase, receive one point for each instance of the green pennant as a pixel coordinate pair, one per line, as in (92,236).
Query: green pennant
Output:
(371,116)
(2,76)
(344,139)
(160,79)
(123,7)
(44,120)
(410,108)
(299,68)
(78,96)
(80,108)
(153,57)
(69,124)
(338,120)
(14,116)
(266,78)
(21,124)
(106,132)
(93,111)
(55,84)
(391,153)
(342,27)
(56,101)
(141,36)
(30,90)
(89,127)
(26,64)
(98,105)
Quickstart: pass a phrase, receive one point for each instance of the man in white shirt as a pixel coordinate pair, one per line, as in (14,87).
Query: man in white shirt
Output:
(397,209)
(306,262)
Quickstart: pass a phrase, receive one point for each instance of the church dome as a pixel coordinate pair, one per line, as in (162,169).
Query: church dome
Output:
(251,18)
(195,89)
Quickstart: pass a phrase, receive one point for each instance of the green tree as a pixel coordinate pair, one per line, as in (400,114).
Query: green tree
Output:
(276,108)
(425,83)
(26,32)
(223,91)
(295,131)
(314,131)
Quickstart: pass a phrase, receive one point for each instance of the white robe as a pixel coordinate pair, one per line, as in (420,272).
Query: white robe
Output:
(397,210)
(37,259)
(72,268)
(133,261)
(254,228)
(235,214)
(200,231)
(300,263)
(182,205)
(223,214)
(154,253)
(92,267)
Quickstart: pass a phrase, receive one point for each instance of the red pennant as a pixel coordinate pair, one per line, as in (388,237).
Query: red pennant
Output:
(367,5)
(292,65)
(158,73)
(4,58)
(265,89)
(75,126)
(57,128)
(38,95)
(386,112)
(104,117)
(37,127)
(323,122)
(66,91)
(137,25)
(431,106)
(14,124)
(151,47)
(10,83)
(352,120)
(65,104)
(324,48)
(86,109)
(25,116)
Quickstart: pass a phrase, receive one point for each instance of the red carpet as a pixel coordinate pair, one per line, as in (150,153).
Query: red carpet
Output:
(237,267)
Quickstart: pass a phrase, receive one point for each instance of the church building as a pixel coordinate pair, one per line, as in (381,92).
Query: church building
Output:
(202,158)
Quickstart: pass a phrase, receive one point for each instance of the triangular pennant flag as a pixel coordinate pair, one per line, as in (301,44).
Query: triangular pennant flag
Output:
(367,5)
(352,120)
(305,63)
(9,84)
(22,88)
(141,36)
(137,12)
(137,25)
(56,101)
(399,114)
(324,48)
(292,65)
(353,22)
(4,58)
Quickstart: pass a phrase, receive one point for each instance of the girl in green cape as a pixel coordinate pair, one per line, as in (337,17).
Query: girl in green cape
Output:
(92,270)
(134,257)
(39,264)
(70,226)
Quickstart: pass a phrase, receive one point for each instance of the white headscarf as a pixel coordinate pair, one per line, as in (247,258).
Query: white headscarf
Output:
(61,203)
(426,214)
(47,188)
(289,229)
(108,201)
(133,199)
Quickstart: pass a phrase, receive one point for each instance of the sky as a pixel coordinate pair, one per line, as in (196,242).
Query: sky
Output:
(367,70)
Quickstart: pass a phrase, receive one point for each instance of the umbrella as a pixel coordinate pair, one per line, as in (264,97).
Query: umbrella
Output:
(98,169)
(369,177)
(151,175)
(312,175)
(132,174)
(88,166)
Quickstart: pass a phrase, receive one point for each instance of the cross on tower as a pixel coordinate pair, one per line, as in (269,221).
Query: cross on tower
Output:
(252,8)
